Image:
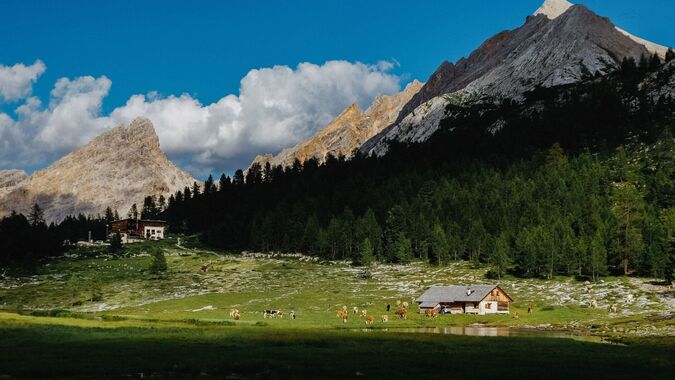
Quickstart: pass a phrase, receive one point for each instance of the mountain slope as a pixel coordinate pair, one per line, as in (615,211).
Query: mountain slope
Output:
(115,170)
(544,52)
(554,8)
(347,132)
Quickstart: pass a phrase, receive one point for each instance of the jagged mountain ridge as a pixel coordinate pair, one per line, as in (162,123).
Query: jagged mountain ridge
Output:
(544,52)
(554,8)
(347,132)
(116,169)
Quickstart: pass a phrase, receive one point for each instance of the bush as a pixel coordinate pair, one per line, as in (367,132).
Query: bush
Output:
(115,243)
(158,262)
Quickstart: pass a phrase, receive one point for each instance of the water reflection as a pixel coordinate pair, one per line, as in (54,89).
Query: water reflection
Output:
(499,331)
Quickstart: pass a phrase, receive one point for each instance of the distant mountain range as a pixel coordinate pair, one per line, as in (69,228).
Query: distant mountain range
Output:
(559,44)
(115,170)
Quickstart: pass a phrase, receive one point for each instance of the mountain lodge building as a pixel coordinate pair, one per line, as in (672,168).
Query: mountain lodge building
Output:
(469,299)
(138,229)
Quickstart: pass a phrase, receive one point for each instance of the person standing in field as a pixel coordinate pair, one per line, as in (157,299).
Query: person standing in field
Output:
(388,307)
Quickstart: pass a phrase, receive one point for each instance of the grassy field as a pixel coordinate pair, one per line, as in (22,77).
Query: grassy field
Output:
(125,320)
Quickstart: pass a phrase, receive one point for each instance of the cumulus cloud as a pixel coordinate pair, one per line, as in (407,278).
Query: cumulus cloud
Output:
(16,82)
(276,108)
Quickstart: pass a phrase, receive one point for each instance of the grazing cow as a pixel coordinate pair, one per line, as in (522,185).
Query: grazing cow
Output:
(205,268)
(401,313)
(342,314)
(356,310)
(385,318)
(292,314)
(233,312)
(405,304)
(236,316)
(272,314)
(515,315)
(364,312)
(613,308)
(431,313)
(593,304)
(369,320)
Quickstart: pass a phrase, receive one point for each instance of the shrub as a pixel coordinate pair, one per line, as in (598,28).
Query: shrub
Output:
(158,262)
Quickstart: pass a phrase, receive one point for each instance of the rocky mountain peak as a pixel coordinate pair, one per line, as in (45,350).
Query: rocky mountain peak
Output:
(561,44)
(116,169)
(348,131)
(553,8)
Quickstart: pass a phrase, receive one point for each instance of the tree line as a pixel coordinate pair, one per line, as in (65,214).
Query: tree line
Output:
(579,180)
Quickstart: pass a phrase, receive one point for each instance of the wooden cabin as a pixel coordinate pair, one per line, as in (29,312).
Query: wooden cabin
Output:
(138,229)
(465,299)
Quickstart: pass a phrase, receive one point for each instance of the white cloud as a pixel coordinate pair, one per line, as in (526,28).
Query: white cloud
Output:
(277,107)
(16,82)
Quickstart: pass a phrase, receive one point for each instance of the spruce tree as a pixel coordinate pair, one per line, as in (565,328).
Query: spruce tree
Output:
(364,255)
(500,255)
(36,216)
(627,209)
(159,264)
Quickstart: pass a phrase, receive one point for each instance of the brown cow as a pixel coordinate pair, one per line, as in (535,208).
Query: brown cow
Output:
(205,268)
(401,313)
(343,314)
(369,320)
(431,313)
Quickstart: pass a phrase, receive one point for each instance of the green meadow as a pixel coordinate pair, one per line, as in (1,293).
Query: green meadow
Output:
(92,314)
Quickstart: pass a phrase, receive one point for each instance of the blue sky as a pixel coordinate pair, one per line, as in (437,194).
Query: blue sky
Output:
(205,48)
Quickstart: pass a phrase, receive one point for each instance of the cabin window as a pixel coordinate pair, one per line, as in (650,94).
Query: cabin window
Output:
(488,305)
(497,292)
(475,304)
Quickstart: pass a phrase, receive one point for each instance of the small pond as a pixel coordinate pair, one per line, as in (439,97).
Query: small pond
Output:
(500,331)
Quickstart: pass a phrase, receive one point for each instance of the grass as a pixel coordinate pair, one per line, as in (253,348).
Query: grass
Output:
(92,314)
(66,347)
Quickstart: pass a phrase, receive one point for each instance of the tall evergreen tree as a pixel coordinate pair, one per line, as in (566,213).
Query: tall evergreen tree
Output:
(627,209)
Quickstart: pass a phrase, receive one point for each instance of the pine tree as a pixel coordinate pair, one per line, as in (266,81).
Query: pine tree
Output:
(159,264)
(238,178)
(161,204)
(115,243)
(267,173)
(403,253)
(36,216)
(365,255)
(438,246)
(627,209)
(209,185)
(109,216)
(394,233)
(149,210)
(310,236)
(598,257)
(133,212)
(195,190)
(223,182)
(368,227)
(654,62)
(500,255)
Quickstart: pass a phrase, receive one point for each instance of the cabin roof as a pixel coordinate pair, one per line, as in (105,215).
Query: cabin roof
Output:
(454,293)
(139,220)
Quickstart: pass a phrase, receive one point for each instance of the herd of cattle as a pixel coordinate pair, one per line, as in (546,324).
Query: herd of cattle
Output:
(344,314)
